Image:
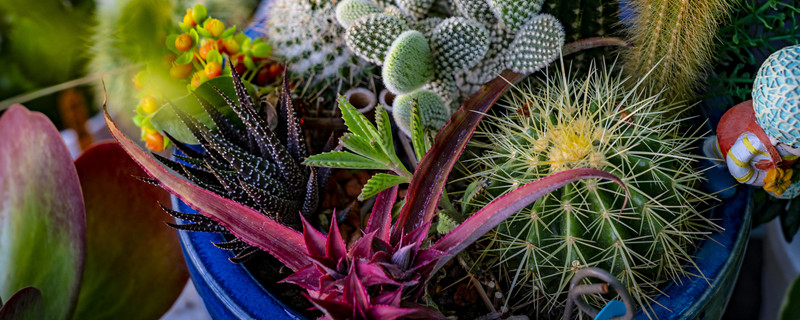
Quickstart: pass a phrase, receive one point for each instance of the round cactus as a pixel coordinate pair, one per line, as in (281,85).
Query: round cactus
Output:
(426,26)
(415,8)
(371,37)
(478,10)
(348,11)
(536,45)
(776,96)
(445,88)
(315,49)
(458,44)
(433,112)
(514,14)
(408,64)
(397,13)
(585,123)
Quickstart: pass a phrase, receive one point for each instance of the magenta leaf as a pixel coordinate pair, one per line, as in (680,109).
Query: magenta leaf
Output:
(315,240)
(42,221)
(431,174)
(503,207)
(380,220)
(25,304)
(247,224)
(130,252)
(389,312)
(335,248)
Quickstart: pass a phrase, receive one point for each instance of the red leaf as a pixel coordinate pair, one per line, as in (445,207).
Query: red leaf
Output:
(24,304)
(503,207)
(389,312)
(249,225)
(308,278)
(380,220)
(335,248)
(315,240)
(431,173)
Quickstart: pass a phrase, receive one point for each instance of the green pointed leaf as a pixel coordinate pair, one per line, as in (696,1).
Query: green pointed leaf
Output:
(170,42)
(185,58)
(203,32)
(362,147)
(165,120)
(26,304)
(343,160)
(42,222)
(356,122)
(130,252)
(384,127)
(380,182)
(790,307)
(417,131)
(228,32)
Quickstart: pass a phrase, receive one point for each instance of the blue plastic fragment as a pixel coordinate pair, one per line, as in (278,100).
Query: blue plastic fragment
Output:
(615,308)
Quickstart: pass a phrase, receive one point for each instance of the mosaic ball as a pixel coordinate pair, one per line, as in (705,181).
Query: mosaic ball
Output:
(776,96)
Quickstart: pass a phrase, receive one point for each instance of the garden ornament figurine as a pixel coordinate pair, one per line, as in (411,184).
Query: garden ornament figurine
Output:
(759,140)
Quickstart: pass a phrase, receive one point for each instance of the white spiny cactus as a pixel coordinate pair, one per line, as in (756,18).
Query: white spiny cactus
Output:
(408,64)
(433,112)
(536,44)
(348,11)
(478,10)
(514,14)
(415,8)
(370,37)
(458,44)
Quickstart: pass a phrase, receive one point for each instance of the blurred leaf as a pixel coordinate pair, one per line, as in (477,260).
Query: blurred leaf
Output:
(790,221)
(344,160)
(790,307)
(42,219)
(26,304)
(165,120)
(131,253)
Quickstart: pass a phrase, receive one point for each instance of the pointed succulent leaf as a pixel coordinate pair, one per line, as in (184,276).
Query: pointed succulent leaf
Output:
(25,304)
(223,125)
(458,44)
(349,11)
(234,244)
(363,147)
(408,64)
(371,37)
(315,240)
(356,122)
(312,194)
(536,45)
(431,174)
(389,312)
(333,309)
(343,160)
(372,274)
(42,220)
(433,112)
(117,252)
(503,207)
(417,9)
(384,127)
(295,138)
(380,182)
(380,221)
(513,14)
(307,278)
(247,224)
(417,131)
(478,10)
(335,246)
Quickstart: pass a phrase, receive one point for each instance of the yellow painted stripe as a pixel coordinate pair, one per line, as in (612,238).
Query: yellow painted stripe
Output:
(752,148)
(789,157)
(718,150)
(738,162)
(746,177)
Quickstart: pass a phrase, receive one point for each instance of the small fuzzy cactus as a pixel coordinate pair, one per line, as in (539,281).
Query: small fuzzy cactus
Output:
(514,14)
(371,37)
(458,44)
(349,11)
(535,45)
(476,10)
(415,8)
(432,110)
(408,64)
(591,122)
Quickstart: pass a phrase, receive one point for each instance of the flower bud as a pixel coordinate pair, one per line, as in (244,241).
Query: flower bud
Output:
(215,27)
(184,42)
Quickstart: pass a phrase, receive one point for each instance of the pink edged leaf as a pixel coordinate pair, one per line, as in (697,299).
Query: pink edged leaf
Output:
(431,174)
(245,223)
(333,309)
(131,253)
(354,291)
(503,207)
(391,298)
(315,240)
(380,220)
(362,248)
(26,304)
(383,312)
(307,278)
(42,221)
(372,274)
(335,247)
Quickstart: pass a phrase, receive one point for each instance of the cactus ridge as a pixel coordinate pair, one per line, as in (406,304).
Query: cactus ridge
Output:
(536,44)
(348,11)
(433,111)
(591,123)
(372,36)
(458,44)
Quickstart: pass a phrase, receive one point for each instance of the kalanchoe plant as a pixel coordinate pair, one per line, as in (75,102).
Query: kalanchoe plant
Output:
(381,275)
(253,166)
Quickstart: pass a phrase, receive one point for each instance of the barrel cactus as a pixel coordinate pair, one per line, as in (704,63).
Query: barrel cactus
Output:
(316,48)
(592,122)
(484,38)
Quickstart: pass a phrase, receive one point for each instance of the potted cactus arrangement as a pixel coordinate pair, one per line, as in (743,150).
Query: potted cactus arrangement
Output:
(510,150)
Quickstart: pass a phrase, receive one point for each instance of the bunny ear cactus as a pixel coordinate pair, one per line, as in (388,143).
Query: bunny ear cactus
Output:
(408,64)
(434,113)
(514,14)
(381,275)
(417,9)
(371,37)
(349,11)
(593,123)
(478,10)
(536,44)
(458,44)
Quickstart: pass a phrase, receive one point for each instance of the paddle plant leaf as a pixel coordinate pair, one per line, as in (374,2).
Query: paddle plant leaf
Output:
(42,222)
(131,253)
(26,304)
